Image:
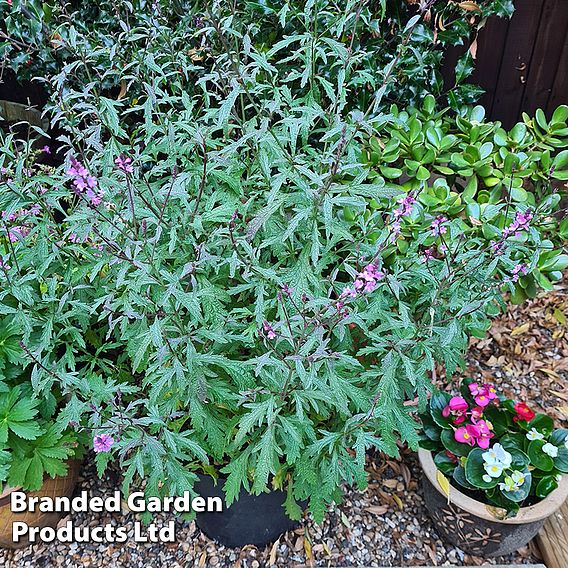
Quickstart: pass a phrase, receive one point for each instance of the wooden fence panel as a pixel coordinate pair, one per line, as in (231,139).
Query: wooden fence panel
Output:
(523,63)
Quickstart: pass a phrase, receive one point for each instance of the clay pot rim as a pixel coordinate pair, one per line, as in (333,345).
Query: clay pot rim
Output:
(534,513)
(7,490)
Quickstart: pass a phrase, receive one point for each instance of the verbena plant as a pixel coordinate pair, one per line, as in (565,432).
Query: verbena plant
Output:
(209,278)
(38,38)
(499,449)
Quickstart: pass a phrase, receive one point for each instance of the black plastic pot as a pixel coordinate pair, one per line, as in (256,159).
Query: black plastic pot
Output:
(252,519)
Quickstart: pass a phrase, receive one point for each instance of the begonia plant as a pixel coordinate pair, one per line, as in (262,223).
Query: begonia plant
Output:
(497,449)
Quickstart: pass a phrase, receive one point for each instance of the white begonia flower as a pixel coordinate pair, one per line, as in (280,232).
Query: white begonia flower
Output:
(513,482)
(518,477)
(550,450)
(533,434)
(486,478)
(508,485)
(497,455)
(558,478)
(493,469)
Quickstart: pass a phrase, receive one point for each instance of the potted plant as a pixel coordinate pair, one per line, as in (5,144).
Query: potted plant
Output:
(493,469)
(36,456)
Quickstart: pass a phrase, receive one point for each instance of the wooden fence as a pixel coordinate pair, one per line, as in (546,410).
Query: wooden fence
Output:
(522,63)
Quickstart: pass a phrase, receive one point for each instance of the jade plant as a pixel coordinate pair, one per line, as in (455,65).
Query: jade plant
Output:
(472,167)
(497,449)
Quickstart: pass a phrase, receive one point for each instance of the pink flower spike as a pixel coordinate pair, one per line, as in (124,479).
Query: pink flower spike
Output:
(124,163)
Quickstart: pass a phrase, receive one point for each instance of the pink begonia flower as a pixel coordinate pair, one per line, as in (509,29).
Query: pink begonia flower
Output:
(102,443)
(476,413)
(484,434)
(483,394)
(463,435)
(457,407)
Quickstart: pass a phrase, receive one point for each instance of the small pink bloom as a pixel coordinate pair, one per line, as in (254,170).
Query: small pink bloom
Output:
(476,413)
(484,434)
(463,436)
(102,443)
(457,403)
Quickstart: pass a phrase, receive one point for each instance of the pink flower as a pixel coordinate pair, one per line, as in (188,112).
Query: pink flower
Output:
(437,227)
(520,223)
(464,436)
(269,330)
(366,281)
(476,413)
(18,233)
(518,270)
(3,264)
(484,434)
(46,149)
(406,204)
(102,443)
(349,292)
(84,182)
(428,254)
(496,247)
(472,434)
(483,394)
(124,163)
(458,403)
(457,407)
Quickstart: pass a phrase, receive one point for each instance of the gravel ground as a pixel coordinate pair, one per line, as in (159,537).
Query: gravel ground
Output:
(526,352)
(385,525)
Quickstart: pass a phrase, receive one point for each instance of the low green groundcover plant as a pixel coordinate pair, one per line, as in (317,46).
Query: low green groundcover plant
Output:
(499,449)
(31,443)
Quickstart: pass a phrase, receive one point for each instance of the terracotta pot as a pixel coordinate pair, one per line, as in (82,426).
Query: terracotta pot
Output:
(475,527)
(58,487)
